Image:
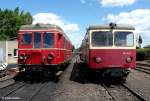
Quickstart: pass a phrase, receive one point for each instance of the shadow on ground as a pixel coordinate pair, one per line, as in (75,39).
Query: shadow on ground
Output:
(82,74)
(35,77)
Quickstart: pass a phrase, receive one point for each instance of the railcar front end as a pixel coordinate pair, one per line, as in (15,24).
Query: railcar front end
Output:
(42,48)
(110,49)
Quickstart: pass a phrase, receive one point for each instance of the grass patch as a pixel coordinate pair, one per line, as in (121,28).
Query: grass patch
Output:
(143,54)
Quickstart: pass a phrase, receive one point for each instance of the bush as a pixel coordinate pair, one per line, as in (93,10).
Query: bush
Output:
(143,54)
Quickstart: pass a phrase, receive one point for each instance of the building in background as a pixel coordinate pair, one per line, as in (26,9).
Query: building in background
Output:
(8,53)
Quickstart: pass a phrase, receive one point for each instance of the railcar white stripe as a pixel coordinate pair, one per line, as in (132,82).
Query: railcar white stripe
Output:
(44,49)
(113,48)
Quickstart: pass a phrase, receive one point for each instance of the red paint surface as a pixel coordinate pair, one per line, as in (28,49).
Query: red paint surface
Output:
(112,58)
(38,56)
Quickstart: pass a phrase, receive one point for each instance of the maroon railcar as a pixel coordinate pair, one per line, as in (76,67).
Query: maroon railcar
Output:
(110,49)
(43,47)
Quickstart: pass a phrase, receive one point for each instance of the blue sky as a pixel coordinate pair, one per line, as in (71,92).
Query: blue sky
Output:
(74,16)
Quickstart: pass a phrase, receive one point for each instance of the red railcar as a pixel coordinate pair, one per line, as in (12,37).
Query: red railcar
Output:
(43,47)
(110,49)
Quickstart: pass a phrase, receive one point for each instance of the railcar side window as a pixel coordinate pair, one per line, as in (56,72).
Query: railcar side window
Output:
(102,38)
(48,40)
(65,43)
(124,39)
(26,39)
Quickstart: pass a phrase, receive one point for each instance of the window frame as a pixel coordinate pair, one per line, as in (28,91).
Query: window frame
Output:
(40,33)
(26,33)
(89,32)
(101,31)
(53,39)
(125,45)
(15,51)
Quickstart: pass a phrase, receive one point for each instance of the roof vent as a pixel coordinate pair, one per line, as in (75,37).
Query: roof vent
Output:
(112,25)
(38,25)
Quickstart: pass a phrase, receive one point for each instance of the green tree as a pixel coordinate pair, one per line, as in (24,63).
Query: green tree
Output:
(10,22)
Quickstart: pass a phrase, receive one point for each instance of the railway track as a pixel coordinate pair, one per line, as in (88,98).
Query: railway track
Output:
(6,81)
(143,67)
(6,91)
(37,91)
(21,91)
(24,90)
(6,77)
(123,93)
(134,93)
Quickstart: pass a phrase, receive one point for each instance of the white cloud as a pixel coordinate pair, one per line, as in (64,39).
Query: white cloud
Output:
(139,18)
(115,3)
(83,1)
(89,2)
(47,18)
(70,29)
(76,39)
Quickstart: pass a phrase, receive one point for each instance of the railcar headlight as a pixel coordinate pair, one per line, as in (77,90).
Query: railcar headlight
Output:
(98,59)
(129,59)
(22,56)
(50,57)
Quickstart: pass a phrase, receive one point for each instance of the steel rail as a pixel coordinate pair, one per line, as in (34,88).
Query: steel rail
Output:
(134,93)
(10,92)
(113,98)
(143,70)
(143,67)
(37,91)
(9,83)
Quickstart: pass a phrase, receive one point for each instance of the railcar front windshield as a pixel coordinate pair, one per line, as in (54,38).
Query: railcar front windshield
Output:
(48,40)
(102,38)
(124,39)
(26,39)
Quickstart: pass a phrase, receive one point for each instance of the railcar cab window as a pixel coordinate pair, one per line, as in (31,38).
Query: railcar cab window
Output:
(26,39)
(102,38)
(48,40)
(124,38)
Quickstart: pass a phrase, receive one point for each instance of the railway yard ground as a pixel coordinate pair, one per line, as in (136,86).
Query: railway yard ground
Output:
(75,85)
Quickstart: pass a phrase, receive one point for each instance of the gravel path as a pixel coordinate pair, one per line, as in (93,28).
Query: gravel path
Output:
(68,90)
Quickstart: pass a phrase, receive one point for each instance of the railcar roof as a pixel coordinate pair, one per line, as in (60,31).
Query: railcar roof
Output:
(43,27)
(40,26)
(107,26)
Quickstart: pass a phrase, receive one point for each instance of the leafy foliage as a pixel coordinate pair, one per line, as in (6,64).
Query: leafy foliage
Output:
(148,46)
(143,54)
(11,20)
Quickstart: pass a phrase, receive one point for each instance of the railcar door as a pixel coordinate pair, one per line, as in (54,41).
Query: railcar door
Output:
(36,54)
(37,39)
(60,47)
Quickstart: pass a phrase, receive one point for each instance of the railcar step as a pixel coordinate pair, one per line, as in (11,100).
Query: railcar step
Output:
(58,73)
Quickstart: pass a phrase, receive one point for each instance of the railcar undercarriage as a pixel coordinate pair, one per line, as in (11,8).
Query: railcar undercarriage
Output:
(110,74)
(45,71)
